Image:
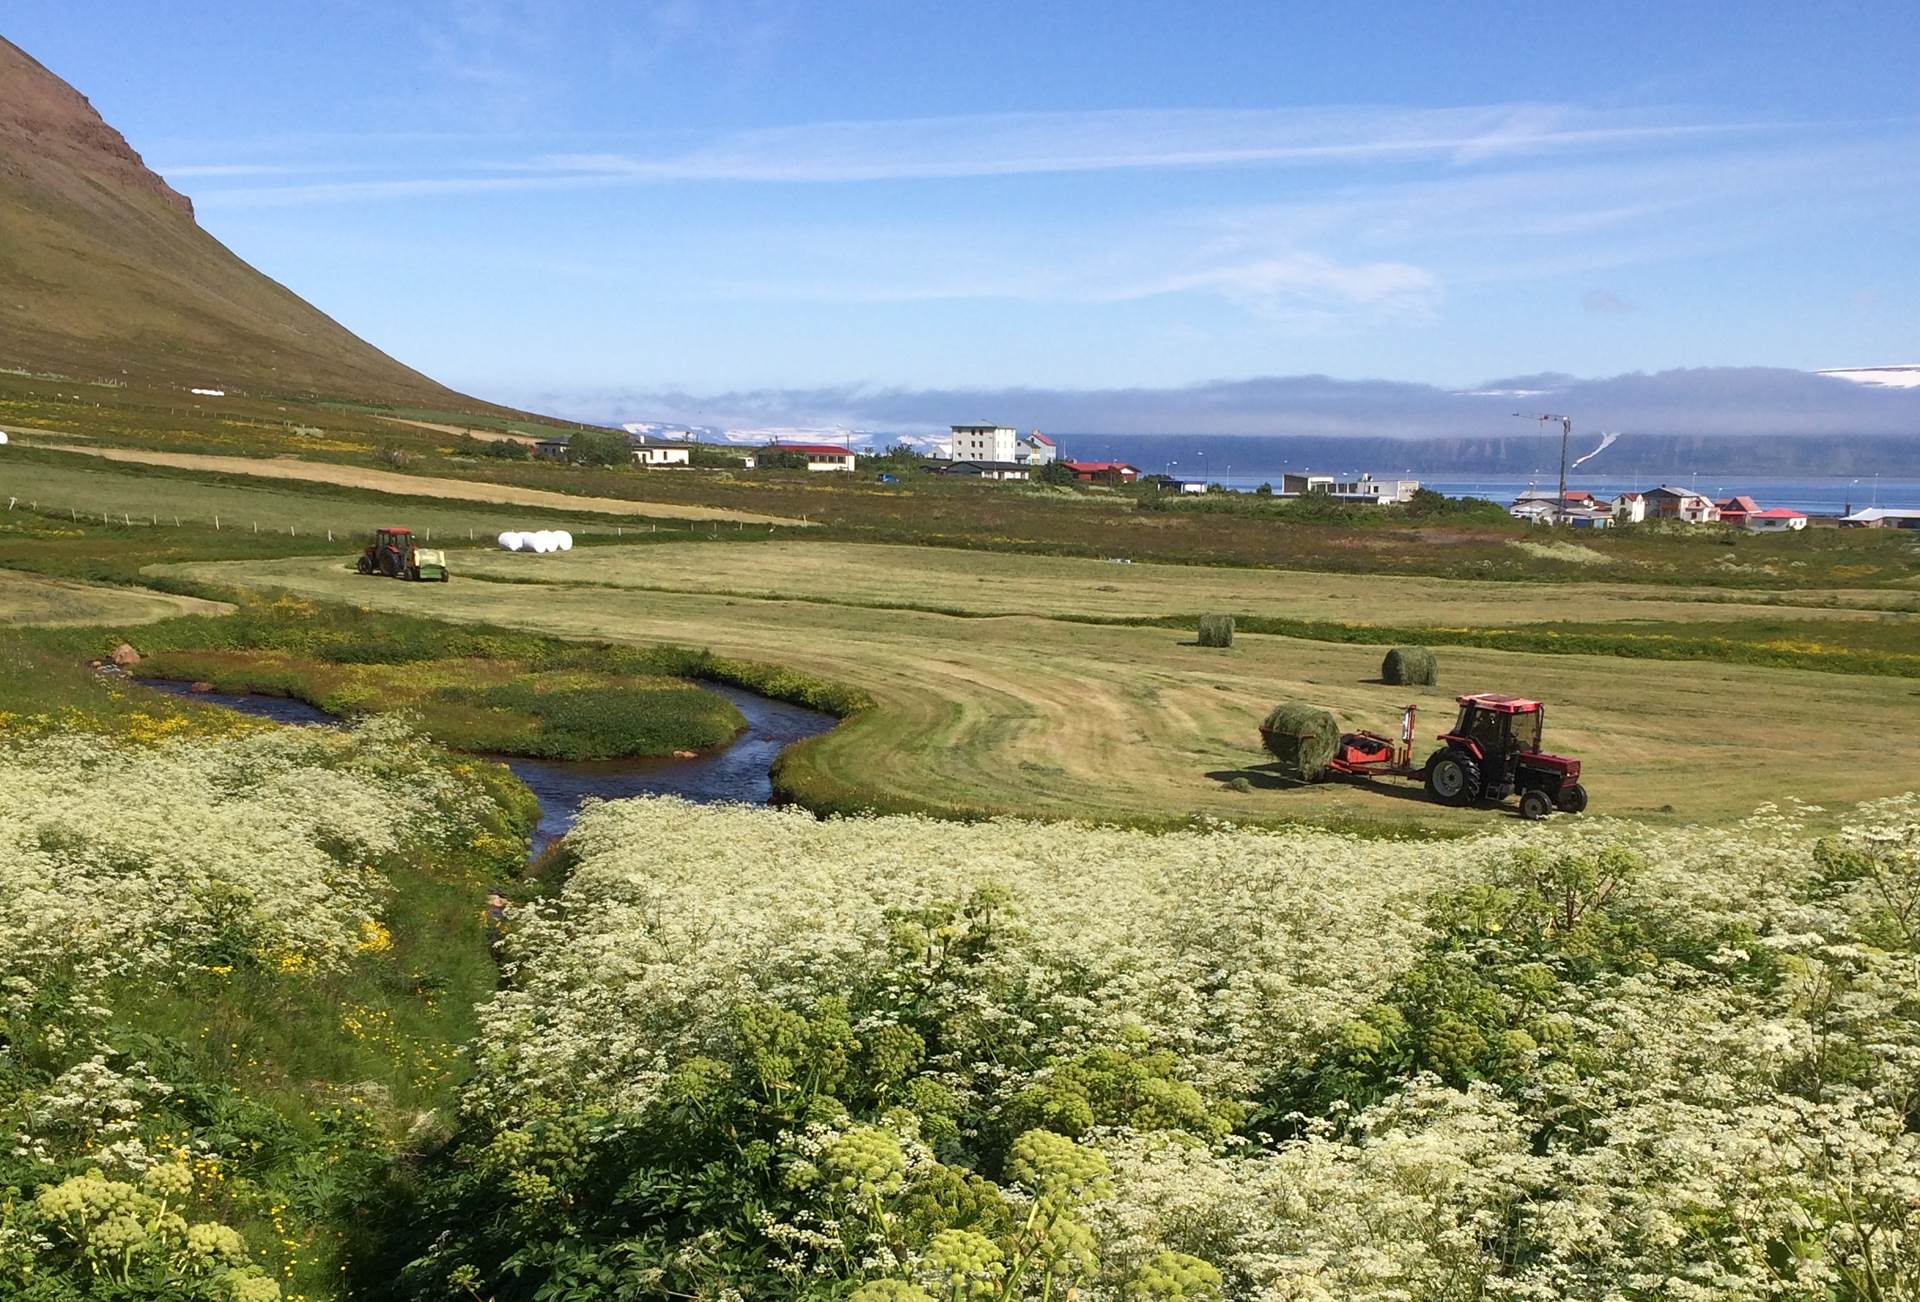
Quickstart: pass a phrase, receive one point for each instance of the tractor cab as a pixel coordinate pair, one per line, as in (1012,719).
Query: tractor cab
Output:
(1494,752)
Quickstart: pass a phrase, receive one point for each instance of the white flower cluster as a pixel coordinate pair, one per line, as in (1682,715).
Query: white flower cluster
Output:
(1225,946)
(128,860)
(1737,1122)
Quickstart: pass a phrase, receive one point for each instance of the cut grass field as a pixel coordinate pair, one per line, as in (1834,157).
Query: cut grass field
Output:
(139,496)
(1863,631)
(1000,584)
(36,600)
(406,485)
(1020,714)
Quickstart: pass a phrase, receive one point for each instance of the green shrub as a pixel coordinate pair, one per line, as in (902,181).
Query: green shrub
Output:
(1216,630)
(1301,737)
(599,447)
(1413,666)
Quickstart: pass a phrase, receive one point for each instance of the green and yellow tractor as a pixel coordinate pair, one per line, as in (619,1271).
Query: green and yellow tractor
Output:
(393,554)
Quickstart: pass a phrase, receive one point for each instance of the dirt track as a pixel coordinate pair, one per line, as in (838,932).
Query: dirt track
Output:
(485,435)
(388,481)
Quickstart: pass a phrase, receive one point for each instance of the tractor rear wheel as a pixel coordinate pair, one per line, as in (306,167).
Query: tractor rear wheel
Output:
(1453,778)
(1572,799)
(1535,804)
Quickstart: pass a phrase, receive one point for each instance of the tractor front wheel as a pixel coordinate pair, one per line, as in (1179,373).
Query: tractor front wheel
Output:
(1453,778)
(363,565)
(1535,805)
(1572,800)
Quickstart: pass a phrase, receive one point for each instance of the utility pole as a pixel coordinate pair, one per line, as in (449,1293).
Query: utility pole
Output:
(1566,432)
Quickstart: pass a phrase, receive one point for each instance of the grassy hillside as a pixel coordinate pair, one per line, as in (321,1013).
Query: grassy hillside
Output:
(106,275)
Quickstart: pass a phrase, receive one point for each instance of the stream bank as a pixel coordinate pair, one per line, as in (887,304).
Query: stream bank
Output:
(739,772)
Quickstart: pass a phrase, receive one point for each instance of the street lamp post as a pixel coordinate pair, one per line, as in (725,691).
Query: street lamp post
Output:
(1566,432)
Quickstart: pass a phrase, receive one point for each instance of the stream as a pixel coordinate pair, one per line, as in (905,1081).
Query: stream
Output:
(739,771)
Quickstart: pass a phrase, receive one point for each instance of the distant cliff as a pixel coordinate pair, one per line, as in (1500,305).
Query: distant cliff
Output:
(1652,456)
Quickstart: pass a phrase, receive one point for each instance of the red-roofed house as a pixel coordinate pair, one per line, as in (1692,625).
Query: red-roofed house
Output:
(1037,449)
(1102,472)
(1775,519)
(820,456)
(1737,510)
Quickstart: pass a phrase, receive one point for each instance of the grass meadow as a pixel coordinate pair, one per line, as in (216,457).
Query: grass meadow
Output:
(34,599)
(1019,714)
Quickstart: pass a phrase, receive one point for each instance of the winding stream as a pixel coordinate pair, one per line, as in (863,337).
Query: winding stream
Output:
(739,771)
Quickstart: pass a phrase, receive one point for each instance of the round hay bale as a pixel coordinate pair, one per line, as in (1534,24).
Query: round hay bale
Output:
(1301,737)
(1410,666)
(510,541)
(1215,630)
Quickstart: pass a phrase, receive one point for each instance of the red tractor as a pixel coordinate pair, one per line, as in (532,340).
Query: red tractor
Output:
(1492,753)
(392,553)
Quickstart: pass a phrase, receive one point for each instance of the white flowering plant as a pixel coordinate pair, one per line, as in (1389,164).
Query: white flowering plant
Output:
(751,1053)
(216,1009)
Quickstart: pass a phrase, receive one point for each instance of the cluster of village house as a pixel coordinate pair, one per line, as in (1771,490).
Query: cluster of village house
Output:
(1583,510)
(1001,452)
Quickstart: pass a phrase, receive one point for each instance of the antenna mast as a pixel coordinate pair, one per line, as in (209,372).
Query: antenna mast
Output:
(1566,432)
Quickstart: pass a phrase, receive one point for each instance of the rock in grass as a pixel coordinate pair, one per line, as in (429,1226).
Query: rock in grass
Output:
(1216,630)
(1301,737)
(1411,666)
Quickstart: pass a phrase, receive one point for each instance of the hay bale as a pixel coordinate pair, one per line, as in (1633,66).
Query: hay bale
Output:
(1301,737)
(1215,630)
(1410,666)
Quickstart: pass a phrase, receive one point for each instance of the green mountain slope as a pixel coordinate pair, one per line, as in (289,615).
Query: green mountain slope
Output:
(104,274)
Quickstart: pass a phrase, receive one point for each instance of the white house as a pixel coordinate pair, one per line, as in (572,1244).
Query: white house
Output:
(1665,503)
(820,456)
(1883,517)
(650,452)
(1776,519)
(1629,508)
(1037,449)
(1534,510)
(1379,492)
(984,443)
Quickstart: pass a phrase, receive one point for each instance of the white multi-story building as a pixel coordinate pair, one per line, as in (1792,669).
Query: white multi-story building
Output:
(984,443)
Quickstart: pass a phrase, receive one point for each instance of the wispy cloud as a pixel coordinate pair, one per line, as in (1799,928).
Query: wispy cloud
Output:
(1388,213)
(1015,144)
(1604,301)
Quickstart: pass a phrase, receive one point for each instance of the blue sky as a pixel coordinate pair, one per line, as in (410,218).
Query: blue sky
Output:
(571,202)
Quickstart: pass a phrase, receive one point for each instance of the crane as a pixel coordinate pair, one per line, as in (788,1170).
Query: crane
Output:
(1566,432)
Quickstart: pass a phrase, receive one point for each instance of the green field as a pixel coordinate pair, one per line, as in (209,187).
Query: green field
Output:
(32,599)
(1002,584)
(1021,714)
(82,493)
